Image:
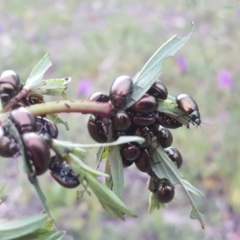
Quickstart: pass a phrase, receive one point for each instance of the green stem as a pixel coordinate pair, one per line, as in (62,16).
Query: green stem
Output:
(67,106)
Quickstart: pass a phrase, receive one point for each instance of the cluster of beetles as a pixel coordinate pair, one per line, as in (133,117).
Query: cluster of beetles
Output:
(36,134)
(142,119)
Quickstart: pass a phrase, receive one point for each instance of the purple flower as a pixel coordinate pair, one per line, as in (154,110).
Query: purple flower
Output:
(225,79)
(85,87)
(182,64)
(101,179)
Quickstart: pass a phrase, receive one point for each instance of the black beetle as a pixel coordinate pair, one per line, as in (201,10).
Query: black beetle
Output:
(121,121)
(36,150)
(8,147)
(167,121)
(144,133)
(174,155)
(146,104)
(23,120)
(63,174)
(164,137)
(165,193)
(143,119)
(10,85)
(126,163)
(120,90)
(130,152)
(96,130)
(45,126)
(188,105)
(99,97)
(143,161)
(158,90)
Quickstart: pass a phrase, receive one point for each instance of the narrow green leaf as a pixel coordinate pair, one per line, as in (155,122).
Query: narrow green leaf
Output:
(79,167)
(18,228)
(40,233)
(35,79)
(191,188)
(57,236)
(57,120)
(107,196)
(116,166)
(41,195)
(105,153)
(154,204)
(63,148)
(195,214)
(164,168)
(113,212)
(153,68)
(119,141)
(53,87)
(170,108)
(108,181)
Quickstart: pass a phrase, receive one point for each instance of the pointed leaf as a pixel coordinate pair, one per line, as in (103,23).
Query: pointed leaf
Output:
(113,212)
(79,167)
(53,87)
(35,79)
(57,120)
(164,168)
(18,228)
(191,188)
(119,141)
(108,181)
(116,166)
(106,195)
(153,68)
(57,236)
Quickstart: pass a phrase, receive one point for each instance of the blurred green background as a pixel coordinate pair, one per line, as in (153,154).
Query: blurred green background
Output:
(96,41)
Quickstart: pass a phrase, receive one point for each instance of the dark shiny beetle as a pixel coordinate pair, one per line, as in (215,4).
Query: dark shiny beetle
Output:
(8,147)
(144,133)
(96,130)
(146,104)
(130,152)
(45,126)
(120,90)
(158,90)
(167,121)
(188,105)
(37,151)
(174,155)
(164,137)
(23,120)
(99,97)
(121,121)
(9,85)
(165,193)
(143,119)
(63,174)
(36,147)
(143,161)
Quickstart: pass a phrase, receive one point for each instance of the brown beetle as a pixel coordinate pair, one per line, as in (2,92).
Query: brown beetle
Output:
(158,90)
(63,174)
(188,105)
(120,90)
(23,120)
(36,150)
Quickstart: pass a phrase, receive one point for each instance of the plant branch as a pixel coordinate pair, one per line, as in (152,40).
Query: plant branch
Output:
(67,106)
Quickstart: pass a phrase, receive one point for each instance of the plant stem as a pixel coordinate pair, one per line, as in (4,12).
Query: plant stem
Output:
(67,106)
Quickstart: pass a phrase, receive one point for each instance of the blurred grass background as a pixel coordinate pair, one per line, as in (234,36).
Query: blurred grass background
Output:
(96,41)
